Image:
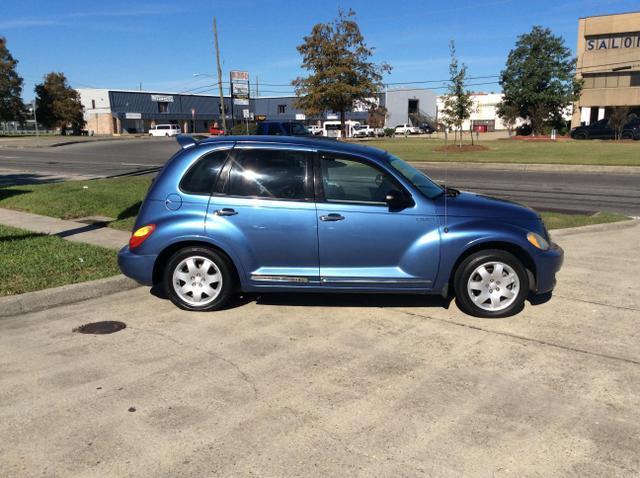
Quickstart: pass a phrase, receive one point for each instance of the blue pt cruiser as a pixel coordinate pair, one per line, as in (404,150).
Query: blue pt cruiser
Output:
(289,214)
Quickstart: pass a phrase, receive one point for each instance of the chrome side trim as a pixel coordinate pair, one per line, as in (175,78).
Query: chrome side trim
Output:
(348,280)
(269,278)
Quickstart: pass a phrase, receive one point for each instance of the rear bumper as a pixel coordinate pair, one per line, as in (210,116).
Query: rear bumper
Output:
(548,263)
(137,267)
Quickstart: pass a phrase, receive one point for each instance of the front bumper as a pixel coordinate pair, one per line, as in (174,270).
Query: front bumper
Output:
(136,266)
(548,263)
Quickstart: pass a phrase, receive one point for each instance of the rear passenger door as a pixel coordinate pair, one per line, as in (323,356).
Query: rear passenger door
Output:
(266,211)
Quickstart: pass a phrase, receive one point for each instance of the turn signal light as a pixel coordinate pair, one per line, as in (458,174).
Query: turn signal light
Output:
(140,235)
(538,241)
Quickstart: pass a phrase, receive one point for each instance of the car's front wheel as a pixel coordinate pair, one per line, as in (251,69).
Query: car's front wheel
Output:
(197,278)
(491,283)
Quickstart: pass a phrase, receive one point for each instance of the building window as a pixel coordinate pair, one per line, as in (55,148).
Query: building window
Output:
(93,104)
(282,109)
(635,79)
(163,107)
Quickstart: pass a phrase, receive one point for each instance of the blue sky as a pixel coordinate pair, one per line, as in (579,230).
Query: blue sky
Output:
(162,44)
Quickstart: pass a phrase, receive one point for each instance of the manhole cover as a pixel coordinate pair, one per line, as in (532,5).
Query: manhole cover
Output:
(106,327)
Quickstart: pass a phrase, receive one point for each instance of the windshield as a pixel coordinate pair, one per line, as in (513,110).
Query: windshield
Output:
(298,129)
(416,177)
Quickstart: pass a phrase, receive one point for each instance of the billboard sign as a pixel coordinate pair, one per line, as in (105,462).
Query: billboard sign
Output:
(240,87)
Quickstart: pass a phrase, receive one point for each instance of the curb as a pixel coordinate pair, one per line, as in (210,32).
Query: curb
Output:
(64,295)
(607,226)
(66,143)
(530,167)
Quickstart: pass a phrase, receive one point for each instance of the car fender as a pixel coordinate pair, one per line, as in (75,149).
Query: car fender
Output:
(463,236)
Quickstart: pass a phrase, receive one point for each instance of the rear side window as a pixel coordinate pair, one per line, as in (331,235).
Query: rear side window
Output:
(271,174)
(202,176)
(274,129)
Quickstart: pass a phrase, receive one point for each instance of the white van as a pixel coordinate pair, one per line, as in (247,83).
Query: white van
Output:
(332,129)
(165,130)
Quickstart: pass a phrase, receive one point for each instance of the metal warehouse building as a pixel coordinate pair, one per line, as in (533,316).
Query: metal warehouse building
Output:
(129,111)
(609,63)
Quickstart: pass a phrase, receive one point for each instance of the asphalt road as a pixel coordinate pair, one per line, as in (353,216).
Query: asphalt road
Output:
(562,191)
(334,386)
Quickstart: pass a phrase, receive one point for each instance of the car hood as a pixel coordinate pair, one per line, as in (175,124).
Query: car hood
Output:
(478,205)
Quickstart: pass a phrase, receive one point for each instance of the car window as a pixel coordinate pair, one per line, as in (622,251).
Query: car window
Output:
(298,129)
(274,129)
(416,177)
(201,177)
(270,174)
(352,181)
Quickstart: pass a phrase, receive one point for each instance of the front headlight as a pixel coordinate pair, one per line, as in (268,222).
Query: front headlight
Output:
(538,241)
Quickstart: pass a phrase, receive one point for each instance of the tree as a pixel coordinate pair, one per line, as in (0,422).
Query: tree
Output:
(342,72)
(618,118)
(58,105)
(458,104)
(509,113)
(377,116)
(539,78)
(11,106)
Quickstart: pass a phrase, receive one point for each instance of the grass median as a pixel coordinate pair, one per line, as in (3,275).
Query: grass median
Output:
(31,261)
(117,198)
(602,153)
(120,198)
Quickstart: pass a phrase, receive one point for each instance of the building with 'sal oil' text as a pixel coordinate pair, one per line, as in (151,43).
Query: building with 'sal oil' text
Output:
(609,64)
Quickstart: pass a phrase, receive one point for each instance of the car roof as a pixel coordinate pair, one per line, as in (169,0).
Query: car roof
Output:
(307,141)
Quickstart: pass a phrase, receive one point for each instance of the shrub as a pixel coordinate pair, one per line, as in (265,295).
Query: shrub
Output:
(389,132)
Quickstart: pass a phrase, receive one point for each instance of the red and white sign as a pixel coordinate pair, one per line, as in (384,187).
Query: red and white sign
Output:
(239,75)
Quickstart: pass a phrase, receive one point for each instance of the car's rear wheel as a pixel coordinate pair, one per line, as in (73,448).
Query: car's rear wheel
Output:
(580,136)
(491,283)
(627,135)
(198,278)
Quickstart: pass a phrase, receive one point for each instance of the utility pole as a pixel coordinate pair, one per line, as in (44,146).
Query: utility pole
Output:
(257,90)
(215,36)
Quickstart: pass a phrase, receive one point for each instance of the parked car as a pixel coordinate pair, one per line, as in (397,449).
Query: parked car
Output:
(282,128)
(378,132)
(426,128)
(315,130)
(214,130)
(265,213)
(165,130)
(362,131)
(602,129)
(407,129)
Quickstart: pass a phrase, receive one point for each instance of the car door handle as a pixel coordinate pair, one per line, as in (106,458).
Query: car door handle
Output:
(332,217)
(226,212)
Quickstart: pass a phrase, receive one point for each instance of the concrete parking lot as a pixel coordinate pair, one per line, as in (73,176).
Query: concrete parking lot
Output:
(320,385)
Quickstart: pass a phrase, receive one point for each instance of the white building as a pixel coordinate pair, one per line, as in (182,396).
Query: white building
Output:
(484,116)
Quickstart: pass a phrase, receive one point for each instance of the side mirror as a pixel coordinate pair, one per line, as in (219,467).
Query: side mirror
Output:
(397,200)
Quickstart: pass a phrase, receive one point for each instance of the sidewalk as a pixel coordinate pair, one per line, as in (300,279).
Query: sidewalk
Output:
(94,234)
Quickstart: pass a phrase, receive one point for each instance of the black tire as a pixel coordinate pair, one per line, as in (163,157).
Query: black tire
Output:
(220,262)
(627,135)
(467,268)
(580,136)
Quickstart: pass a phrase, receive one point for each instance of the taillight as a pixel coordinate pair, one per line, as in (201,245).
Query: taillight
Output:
(140,235)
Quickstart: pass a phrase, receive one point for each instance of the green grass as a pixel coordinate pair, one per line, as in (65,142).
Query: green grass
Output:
(610,153)
(555,220)
(31,261)
(119,198)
